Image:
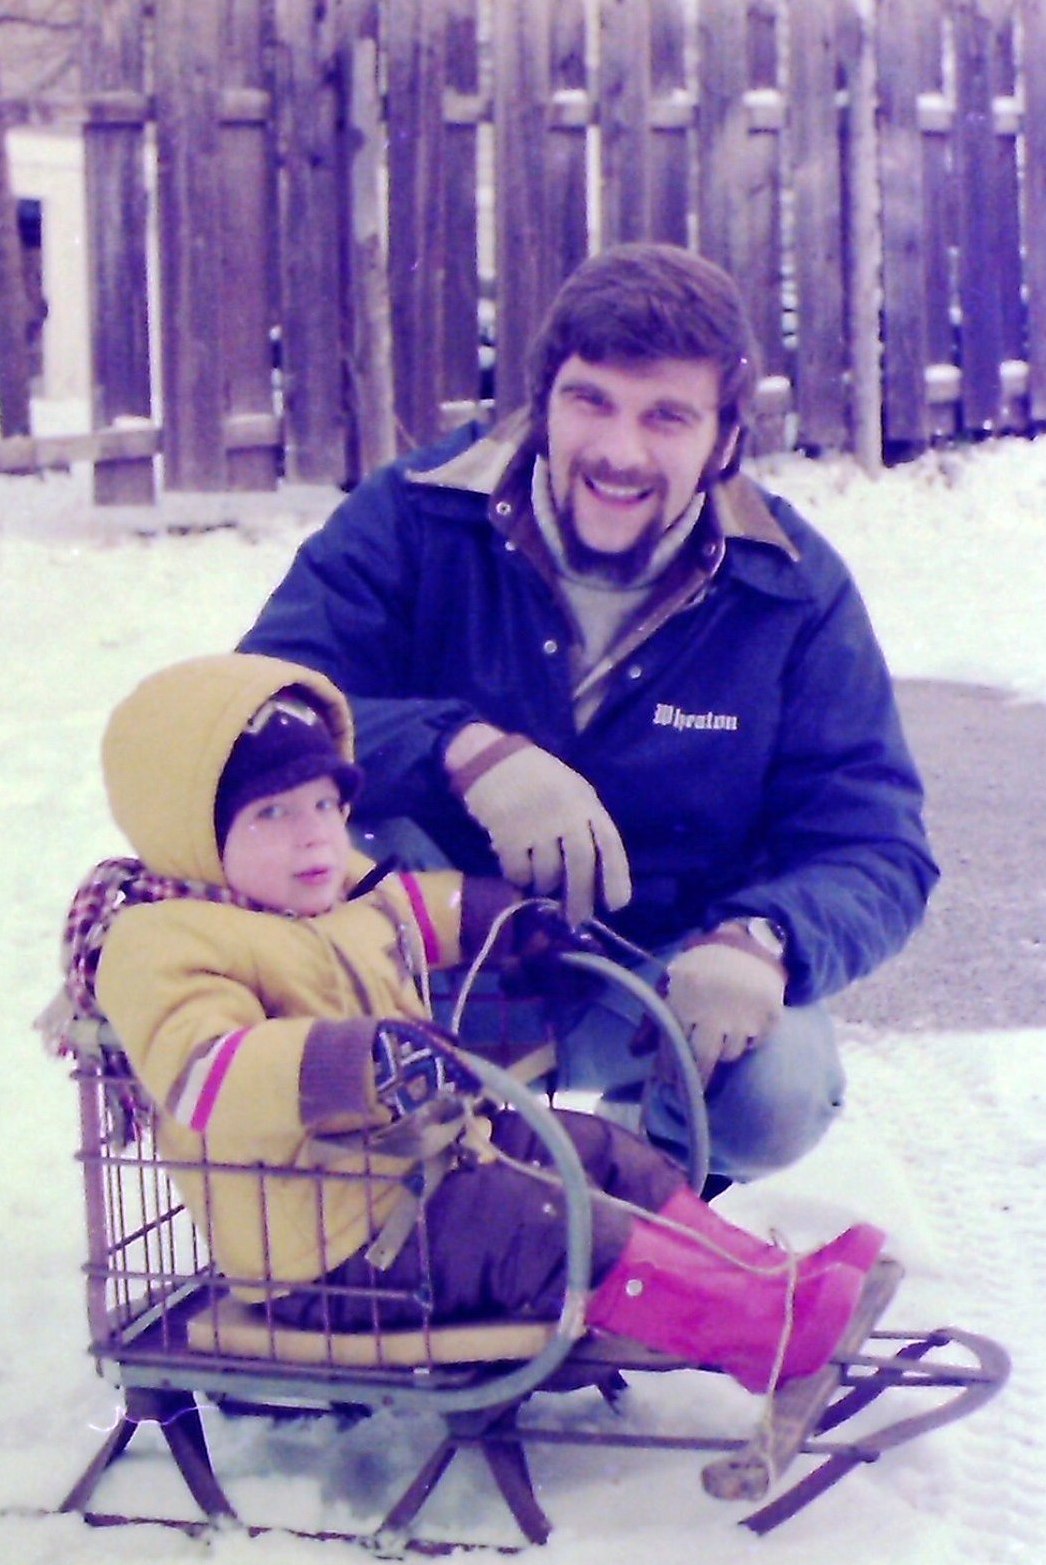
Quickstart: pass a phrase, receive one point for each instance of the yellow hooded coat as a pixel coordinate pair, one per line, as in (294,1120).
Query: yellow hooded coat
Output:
(219,1006)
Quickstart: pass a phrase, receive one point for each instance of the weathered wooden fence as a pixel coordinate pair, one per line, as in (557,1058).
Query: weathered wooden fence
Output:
(344,188)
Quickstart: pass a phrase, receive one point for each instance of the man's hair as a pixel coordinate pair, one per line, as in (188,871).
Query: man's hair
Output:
(638,302)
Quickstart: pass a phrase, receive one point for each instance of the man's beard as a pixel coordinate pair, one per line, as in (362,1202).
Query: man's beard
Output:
(623,567)
(620,566)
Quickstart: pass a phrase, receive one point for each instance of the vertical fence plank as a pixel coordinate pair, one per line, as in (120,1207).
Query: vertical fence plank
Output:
(113,63)
(566,195)
(723,74)
(1033,60)
(979,314)
(314,398)
(738,206)
(522,240)
(188,50)
(937,116)
(672,110)
(460,376)
(1006,222)
(820,384)
(624,119)
(248,205)
(762,267)
(903,218)
(368,323)
(416,210)
(862,233)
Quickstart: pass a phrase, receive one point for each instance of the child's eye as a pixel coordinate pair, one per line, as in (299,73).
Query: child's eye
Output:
(326,805)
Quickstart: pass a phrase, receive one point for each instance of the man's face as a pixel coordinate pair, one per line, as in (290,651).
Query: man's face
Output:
(627,448)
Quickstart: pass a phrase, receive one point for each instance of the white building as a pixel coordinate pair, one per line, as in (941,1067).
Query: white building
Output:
(47,170)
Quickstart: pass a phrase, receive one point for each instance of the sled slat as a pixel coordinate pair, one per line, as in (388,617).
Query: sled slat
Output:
(796,1408)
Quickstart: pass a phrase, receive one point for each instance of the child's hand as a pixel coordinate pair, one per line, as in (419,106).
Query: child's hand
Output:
(415,1061)
(541,934)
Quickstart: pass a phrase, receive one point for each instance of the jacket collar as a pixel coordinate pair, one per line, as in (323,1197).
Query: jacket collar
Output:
(480,468)
(493,466)
(498,468)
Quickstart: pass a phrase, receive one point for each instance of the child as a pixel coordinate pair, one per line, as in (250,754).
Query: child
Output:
(263,980)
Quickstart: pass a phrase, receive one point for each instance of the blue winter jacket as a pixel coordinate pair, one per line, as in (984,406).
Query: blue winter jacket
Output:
(747,742)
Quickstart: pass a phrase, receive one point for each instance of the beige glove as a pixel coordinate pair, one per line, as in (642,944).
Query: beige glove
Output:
(545,822)
(728,995)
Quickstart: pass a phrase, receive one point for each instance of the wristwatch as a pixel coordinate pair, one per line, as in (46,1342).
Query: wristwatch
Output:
(765,933)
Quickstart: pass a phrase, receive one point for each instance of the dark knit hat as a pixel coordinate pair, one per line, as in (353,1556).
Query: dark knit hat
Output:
(286,743)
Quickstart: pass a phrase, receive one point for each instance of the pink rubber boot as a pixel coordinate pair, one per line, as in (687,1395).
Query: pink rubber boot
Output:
(859,1246)
(676,1295)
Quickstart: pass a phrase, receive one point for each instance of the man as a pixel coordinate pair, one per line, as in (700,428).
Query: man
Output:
(585,649)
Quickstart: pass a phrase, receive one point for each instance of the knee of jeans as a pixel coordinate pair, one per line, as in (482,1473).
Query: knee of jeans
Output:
(755,1135)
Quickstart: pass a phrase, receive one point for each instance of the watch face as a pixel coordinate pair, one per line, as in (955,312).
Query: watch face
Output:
(770,938)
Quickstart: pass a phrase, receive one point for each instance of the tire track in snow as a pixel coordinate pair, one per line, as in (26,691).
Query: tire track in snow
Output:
(973,1171)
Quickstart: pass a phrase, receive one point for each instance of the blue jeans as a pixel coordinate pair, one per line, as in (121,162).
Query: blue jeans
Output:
(765,1111)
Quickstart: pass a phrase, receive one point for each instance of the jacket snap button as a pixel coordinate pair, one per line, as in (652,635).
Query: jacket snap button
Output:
(503,508)
(550,647)
(635,671)
(633,1287)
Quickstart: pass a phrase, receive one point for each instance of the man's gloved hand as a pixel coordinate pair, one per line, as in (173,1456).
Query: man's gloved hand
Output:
(415,1061)
(727,994)
(545,822)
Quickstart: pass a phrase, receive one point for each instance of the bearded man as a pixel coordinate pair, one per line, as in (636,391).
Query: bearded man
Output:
(585,650)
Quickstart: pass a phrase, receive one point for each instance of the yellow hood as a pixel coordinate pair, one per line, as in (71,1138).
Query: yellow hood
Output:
(167,743)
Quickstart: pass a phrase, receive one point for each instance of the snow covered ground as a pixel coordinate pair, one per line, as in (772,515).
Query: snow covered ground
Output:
(944,1142)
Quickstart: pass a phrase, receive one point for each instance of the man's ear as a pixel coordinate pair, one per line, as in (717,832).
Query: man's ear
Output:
(725,460)
(730,453)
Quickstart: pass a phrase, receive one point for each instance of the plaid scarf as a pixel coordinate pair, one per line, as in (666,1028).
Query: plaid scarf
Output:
(72,1023)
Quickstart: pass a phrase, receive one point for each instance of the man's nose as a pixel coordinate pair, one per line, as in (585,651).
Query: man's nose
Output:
(625,446)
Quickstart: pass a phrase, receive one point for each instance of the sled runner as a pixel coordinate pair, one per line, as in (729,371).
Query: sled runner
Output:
(169,1333)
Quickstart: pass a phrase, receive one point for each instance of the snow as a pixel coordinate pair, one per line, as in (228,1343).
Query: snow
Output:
(943,1141)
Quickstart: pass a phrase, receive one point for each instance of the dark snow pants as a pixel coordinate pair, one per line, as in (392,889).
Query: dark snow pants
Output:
(495,1236)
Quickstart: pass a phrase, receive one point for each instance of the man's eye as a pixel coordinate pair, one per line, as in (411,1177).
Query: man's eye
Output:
(587,398)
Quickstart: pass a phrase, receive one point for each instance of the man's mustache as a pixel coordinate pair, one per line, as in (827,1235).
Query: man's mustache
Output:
(603,472)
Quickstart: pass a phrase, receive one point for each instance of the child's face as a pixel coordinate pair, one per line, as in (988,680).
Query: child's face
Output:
(290,851)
